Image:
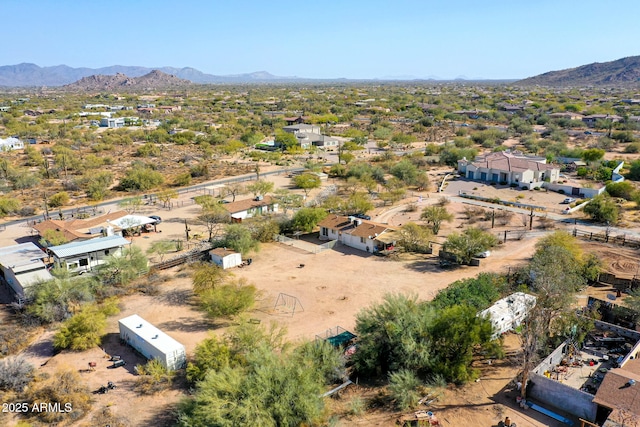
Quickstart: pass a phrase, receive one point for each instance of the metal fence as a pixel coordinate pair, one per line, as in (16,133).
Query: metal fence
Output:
(304,245)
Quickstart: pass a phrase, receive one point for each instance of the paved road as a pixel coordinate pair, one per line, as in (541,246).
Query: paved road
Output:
(113,203)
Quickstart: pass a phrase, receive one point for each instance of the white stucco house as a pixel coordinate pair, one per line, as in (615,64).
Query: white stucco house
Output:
(508,313)
(510,168)
(225,258)
(357,233)
(243,209)
(8,144)
(22,265)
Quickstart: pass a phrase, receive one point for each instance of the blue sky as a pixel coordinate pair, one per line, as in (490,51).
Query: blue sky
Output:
(490,39)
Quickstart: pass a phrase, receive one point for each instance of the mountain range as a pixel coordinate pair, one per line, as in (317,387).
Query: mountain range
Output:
(32,75)
(621,72)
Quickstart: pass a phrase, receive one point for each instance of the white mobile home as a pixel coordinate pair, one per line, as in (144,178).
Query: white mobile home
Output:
(87,254)
(225,258)
(151,342)
(508,313)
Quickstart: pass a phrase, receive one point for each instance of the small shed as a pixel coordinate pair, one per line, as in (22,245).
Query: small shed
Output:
(151,342)
(225,258)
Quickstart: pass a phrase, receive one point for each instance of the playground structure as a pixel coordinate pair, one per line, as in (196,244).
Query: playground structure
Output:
(337,337)
(287,304)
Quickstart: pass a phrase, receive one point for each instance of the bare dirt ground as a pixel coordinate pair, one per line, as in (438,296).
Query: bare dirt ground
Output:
(329,291)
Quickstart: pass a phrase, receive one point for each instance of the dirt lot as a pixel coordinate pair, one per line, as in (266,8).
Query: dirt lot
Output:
(331,288)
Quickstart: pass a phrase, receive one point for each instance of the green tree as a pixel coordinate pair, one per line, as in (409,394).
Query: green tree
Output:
(469,243)
(165,196)
(260,187)
(162,248)
(624,189)
(228,300)
(53,237)
(403,387)
(393,335)
(592,154)
(477,292)
(287,200)
(131,205)
(603,209)
(435,216)
(8,206)
(239,238)
(307,182)
(85,329)
(405,171)
(207,276)
(140,178)
(211,354)
(124,268)
(455,332)
(306,219)
(285,139)
(415,238)
(269,385)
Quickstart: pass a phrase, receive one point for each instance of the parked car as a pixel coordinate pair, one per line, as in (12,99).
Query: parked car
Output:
(483,254)
(362,216)
(568,200)
(156,218)
(586,132)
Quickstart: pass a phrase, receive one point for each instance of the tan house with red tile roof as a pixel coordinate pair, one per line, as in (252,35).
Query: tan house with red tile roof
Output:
(79,229)
(357,233)
(510,168)
(248,208)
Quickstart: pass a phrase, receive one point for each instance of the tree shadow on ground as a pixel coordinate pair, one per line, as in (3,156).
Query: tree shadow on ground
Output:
(177,297)
(163,416)
(112,345)
(189,324)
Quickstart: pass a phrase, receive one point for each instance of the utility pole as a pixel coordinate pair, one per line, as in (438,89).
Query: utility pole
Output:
(531,219)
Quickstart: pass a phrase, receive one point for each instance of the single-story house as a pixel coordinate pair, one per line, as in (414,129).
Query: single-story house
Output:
(108,122)
(11,144)
(248,208)
(22,265)
(594,118)
(304,128)
(508,313)
(87,254)
(567,115)
(225,258)
(113,223)
(510,168)
(357,233)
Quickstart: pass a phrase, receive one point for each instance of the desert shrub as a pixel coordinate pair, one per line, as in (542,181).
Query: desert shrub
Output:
(67,389)
(13,338)
(154,377)
(105,417)
(15,373)
(59,199)
(403,388)
(85,329)
(228,300)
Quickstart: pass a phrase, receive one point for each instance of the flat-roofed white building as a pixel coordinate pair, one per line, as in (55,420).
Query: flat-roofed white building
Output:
(151,342)
(22,265)
(508,313)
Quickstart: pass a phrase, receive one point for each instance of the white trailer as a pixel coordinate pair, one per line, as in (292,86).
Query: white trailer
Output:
(151,342)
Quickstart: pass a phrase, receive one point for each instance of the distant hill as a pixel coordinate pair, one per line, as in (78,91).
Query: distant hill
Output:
(622,72)
(153,80)
(32,75)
